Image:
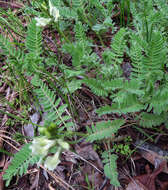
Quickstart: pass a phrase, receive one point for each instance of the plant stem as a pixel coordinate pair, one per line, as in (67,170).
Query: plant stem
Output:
(90,25)
(62,34)
(100,38)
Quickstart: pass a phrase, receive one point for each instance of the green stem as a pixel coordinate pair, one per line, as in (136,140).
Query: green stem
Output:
(128,12)
(147,32)
(58,91)
(62,34)
(7,24)
(90,25)
(72,108)
(100,38)
(18,118)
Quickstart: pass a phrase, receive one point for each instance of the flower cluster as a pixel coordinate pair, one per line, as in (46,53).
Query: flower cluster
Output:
(53,12)
(41,146)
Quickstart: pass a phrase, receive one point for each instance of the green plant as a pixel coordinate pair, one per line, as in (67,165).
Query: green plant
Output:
(27,63)
(51,106)
(20,163)
(141,94)
(147,17)
(110,167)
(144,93)
(90,185)
(123,148)
(124,12)
(104,130)
(19,137)
(43,145)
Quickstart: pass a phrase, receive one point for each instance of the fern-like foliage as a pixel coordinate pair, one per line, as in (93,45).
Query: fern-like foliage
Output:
(20,163)
(149,69)
(118,46)
(9,50)
(163,11)
(34,39)
(104,129)
(110,167)
(112,57)
(136,57)
(56,3)
(81,54)
(77,3)
(96,86)
(52,106)
(79,32)
(19,58)
(146,90)
(131,104)
(148,16)
(15,56)
(77,51)
(97,10)
(150,120)
(68,13)
(33,60)
(159,101)
(153,62)
(132,86)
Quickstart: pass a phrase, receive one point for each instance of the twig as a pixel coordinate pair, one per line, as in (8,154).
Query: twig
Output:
(77,156)
(6,137)
(58,179)
(9,144)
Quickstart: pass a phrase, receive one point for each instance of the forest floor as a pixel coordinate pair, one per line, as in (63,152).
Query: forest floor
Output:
(142,152)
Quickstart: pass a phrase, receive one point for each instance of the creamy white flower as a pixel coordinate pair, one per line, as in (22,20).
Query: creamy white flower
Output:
(41,145)
(51,162)
(54,11)
(42,21)
(63,144)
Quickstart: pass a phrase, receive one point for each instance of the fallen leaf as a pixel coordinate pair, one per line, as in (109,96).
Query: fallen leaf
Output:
(152,153)
(136,185)
(146,181)
(87,152)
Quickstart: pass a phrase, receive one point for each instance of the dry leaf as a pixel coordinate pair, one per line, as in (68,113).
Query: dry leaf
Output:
(136,185)
(146,181)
